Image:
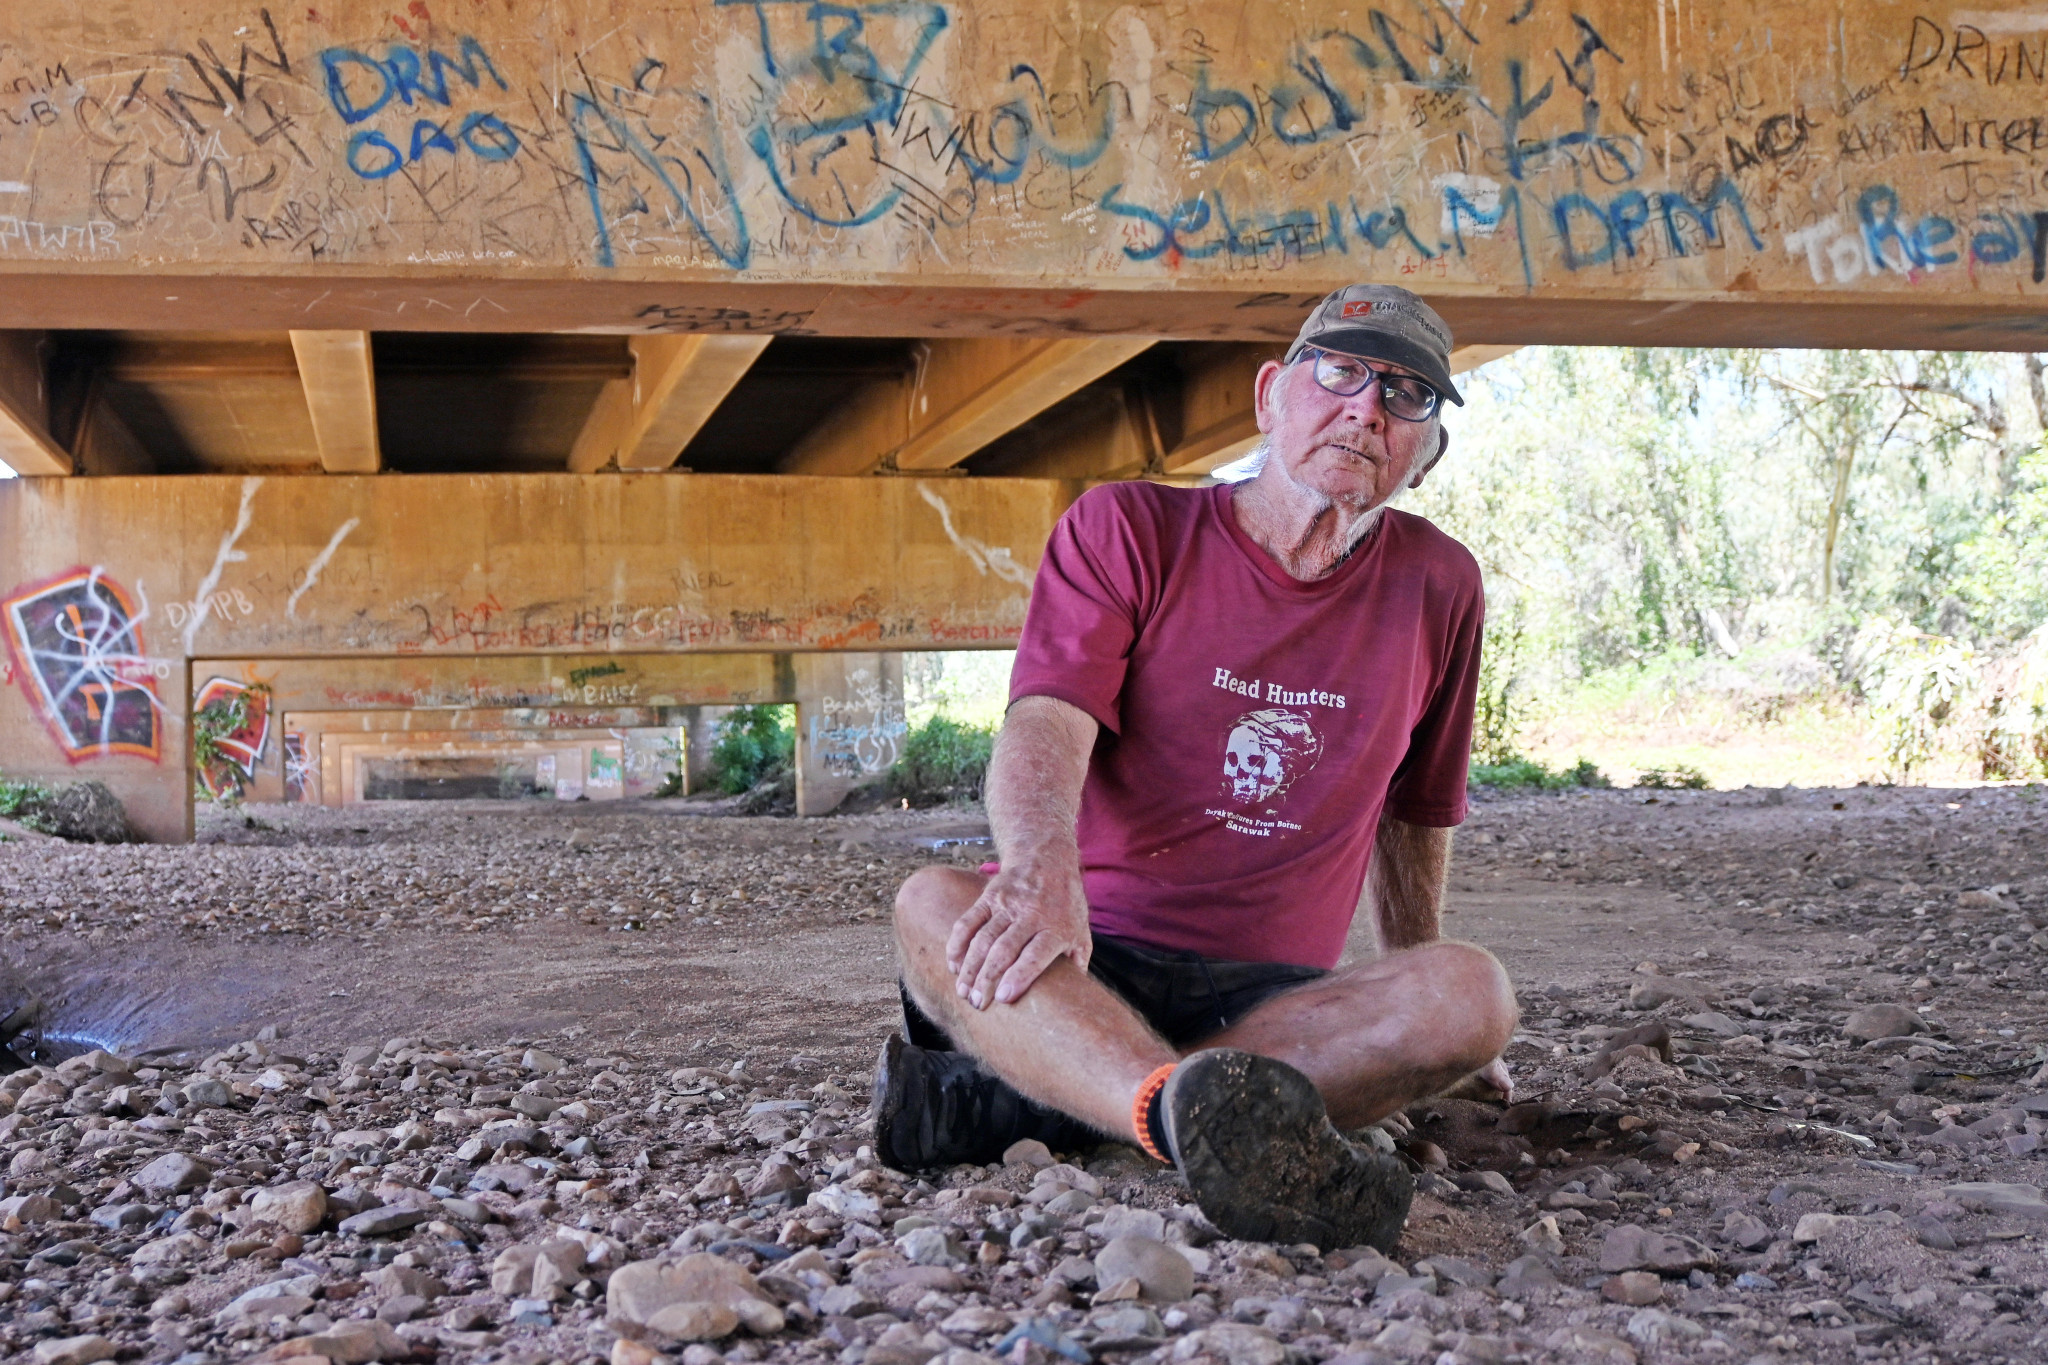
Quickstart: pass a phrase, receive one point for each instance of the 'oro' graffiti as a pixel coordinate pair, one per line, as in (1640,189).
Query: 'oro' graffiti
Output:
(76,643)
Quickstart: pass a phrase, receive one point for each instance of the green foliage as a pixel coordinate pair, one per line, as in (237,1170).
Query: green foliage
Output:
(2012,740)
(1500,711)
(676,778)
(1916,684)
(1729,518)
(23,800)
(1516,772)
(754,743)
(220,776)
(943,758)
(1677,777)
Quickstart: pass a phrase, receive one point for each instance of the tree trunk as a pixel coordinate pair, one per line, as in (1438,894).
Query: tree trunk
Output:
(1835,505)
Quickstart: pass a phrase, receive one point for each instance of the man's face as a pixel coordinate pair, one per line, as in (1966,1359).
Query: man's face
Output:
(1349,451)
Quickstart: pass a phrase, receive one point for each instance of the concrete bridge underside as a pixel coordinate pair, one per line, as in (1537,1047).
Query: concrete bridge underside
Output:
(785,330)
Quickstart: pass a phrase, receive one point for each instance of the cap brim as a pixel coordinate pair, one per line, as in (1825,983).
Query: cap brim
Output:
(1368,344)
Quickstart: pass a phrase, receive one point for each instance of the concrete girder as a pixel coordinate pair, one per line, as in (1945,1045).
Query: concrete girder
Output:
(110,587)
(678,381)
(961,396)
(1561,174)
(26,445)
(339,375)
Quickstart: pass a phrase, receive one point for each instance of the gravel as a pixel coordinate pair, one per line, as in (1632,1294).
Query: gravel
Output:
(1719,1167)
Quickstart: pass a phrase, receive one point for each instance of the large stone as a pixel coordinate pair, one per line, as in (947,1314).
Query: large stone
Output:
(1123,1221)
(383,1221)
(1873,1022)
(406,1280)
(179,1246)
(1163,1274)
(931,1246)
(209,1094)
(693,1321)
(639,1291)
(299,1206)
(1634,1288)
(1662,990)
(2007,1201)
(31,1208)
(512,1271)
(84,1350)
(173,1173)
(557,1266)
(355,1342)
(1813,1227)
(1715,1022)
(1233,1343)
(1630,1247)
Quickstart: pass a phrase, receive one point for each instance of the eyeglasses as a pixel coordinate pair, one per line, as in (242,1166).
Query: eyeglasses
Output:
(1404,396)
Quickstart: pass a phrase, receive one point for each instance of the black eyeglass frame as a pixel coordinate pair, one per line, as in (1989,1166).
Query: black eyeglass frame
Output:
(1372,376)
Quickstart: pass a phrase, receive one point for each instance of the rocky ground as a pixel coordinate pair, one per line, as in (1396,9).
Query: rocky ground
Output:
(568,1084)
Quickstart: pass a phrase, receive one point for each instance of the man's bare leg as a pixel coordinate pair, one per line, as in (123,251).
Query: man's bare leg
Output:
(1385,1033)
(1372,1037)
(1070,1042)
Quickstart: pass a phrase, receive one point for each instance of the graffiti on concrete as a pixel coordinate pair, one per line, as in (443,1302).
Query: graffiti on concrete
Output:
(75,642)
(301,769)
(1524,144)
(861,733)
(235,751)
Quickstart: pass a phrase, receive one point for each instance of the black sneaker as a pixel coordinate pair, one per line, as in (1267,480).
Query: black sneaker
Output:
(934,1109)
(1256,1145)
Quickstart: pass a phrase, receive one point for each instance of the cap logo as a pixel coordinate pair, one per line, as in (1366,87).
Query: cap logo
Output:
(1356,310)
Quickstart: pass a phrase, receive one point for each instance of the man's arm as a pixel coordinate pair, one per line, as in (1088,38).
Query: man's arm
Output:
(1034,910)
(1405,882)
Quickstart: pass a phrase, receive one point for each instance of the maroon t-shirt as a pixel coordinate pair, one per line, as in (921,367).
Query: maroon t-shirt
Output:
(1253,726)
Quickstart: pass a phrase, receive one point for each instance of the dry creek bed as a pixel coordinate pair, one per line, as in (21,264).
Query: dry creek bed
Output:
(534,1084)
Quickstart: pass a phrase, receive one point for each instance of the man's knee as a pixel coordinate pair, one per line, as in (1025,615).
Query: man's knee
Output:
(930,901)
(1475,992)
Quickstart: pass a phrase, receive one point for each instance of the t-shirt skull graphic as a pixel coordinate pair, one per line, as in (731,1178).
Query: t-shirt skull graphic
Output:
(1254,726)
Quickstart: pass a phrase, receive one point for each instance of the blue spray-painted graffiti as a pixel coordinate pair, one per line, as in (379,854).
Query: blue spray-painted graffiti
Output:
(359,86)
(695,186)
(1204,226)
(1629,213)
(818,132)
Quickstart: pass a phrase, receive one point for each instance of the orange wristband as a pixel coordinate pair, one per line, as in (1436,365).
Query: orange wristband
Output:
(1141,1112)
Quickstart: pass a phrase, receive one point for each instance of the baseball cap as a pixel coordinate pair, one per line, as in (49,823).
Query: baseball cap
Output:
(1382,322)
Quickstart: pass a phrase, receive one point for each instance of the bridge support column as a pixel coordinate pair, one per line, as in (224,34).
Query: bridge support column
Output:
(849,725)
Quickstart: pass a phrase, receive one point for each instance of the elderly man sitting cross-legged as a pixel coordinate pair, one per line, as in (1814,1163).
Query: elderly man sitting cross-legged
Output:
(1233,709)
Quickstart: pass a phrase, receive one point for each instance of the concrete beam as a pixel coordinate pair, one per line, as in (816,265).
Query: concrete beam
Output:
(26,446)
(340,380)
(961,396)
(678,382)
(109,587)
(1545,174)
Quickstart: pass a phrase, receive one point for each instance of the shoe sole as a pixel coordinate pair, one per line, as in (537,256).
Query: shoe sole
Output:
(888,1099)
(1255,1143)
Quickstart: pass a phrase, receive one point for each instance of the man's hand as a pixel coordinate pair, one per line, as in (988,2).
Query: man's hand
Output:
(1033,911)
(1026,919)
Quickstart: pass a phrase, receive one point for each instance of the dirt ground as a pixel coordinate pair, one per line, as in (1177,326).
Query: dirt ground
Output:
(1747,1182)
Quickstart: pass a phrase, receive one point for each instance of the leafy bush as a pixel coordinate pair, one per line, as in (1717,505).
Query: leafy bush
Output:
(1677,777)
(1527,774)
(755,743)
(24,800)
(943,759)
(82,812)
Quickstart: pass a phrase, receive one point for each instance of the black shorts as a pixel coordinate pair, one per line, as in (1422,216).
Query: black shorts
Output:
(1185,996)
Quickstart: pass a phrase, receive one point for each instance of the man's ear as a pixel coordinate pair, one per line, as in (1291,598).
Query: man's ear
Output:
(1443,443)
(1264,410)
